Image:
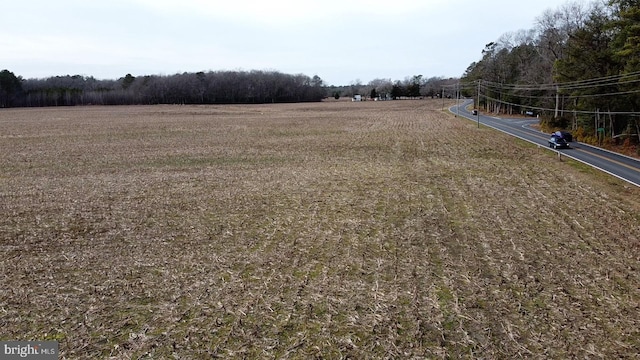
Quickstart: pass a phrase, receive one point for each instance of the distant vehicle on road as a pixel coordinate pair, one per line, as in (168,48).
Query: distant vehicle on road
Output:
(557,142)
(474,112)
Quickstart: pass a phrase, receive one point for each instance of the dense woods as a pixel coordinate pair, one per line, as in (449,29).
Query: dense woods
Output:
(221,87)
(578,68)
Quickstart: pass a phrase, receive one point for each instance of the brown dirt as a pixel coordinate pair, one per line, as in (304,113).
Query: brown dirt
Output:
(337,229)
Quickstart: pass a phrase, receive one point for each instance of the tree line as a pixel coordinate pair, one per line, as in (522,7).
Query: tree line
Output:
(213,87)
(219,87)
(412,87)
(578,68)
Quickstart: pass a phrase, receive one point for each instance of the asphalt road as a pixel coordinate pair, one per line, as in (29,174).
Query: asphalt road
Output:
(620,166)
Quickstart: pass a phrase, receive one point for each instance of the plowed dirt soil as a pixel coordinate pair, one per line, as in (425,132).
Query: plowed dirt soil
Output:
(328,230)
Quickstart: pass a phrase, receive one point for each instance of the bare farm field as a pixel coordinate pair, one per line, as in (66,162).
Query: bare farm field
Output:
(329,230)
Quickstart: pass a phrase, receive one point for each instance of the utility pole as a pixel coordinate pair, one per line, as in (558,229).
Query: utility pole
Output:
(557,99)
(478,107)
(457,98)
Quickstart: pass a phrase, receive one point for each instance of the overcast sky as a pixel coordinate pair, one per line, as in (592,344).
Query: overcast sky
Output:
(339,40)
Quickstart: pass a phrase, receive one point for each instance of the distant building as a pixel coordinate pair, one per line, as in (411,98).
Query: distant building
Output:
(356,98)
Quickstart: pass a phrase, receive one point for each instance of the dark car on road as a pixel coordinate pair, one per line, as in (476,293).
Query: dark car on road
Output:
(564,134)
(558,142)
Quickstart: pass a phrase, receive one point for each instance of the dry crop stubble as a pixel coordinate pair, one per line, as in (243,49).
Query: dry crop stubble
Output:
(374,229)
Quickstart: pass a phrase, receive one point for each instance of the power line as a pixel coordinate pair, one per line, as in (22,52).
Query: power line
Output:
(551,110)
(600,81)
(496,92)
